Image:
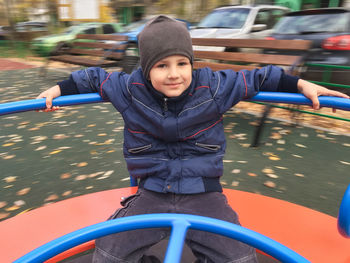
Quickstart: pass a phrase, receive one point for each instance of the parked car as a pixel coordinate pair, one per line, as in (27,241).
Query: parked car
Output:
(329,31)
(134,28)
(4,32)
(24,31)
(239,22)
(31,26)
(47,45)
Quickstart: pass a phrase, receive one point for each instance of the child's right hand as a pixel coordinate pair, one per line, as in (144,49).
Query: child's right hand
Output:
(50,94)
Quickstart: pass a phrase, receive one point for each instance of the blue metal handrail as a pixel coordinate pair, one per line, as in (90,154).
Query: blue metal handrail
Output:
(179,223)
(344,214)
(276,97)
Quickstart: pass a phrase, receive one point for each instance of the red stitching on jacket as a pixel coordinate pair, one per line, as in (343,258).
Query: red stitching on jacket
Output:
(211,126)
(104,83)
(136,83)
(137,131)
(245,83)
(202,87)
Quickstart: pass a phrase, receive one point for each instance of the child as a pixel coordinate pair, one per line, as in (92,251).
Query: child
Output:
(174,139)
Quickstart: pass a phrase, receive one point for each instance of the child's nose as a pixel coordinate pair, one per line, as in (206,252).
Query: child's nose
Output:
(173,72)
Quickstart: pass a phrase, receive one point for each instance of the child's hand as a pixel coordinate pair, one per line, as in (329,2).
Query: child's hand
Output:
(50,94)
(312,91)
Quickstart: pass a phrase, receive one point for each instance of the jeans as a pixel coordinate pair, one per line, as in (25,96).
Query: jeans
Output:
(130,246)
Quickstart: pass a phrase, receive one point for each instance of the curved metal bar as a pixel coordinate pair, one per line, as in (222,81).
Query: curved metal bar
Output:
(275,97)
(295,98)
(177,221)
(39,104)
(344,214)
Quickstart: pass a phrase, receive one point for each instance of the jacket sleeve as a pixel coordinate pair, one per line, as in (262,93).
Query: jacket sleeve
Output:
(110,86)
(230,87)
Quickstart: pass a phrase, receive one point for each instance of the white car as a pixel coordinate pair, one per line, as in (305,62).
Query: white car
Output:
(238,22)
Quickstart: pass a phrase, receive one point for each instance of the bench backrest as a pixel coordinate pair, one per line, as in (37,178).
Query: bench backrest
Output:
(99,45)
(238,54)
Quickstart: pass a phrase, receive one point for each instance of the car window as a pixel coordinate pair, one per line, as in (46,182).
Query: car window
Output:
(226,18)
(313,23)
(108,29)
(269,17)
(134,25)
(90,31)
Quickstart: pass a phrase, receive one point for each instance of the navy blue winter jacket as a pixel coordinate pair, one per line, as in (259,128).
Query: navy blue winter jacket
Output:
(177,144)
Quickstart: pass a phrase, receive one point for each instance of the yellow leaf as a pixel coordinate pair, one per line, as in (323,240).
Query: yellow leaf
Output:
(55,152)
(12,208)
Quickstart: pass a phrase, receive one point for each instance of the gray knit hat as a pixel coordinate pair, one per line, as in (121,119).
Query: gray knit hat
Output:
(163,37)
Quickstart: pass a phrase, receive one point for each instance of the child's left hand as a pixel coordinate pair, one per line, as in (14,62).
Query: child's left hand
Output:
(313,91)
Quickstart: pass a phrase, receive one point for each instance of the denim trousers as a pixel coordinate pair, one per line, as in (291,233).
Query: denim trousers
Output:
(129,246)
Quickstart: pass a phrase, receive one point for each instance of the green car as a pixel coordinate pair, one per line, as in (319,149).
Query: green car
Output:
(47,45)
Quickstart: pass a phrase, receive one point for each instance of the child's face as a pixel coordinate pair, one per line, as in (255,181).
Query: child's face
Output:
(171,75)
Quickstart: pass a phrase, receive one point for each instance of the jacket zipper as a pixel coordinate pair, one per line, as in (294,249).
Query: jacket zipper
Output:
(165,106)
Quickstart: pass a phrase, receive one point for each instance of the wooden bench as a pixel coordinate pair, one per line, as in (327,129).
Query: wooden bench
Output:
(96,50)
(240,54)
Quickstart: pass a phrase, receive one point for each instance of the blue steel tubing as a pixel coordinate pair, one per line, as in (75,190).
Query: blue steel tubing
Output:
(344,215)
(274,97)
(178,221)
(177,237)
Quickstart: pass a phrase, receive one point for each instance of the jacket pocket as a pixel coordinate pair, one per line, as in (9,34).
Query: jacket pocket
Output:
(211,147)
(126,202)
(140,149)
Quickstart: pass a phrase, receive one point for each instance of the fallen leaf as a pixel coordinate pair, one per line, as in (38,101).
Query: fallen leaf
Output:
(24,191)
(12,208)
(4,215)
(10,179)
(3,204)
(80,177)
(66,193)
(267,171)
(55,152)
(270,184)
(65,175)
(82,164)
(51,198)
(235,183)
(19,203)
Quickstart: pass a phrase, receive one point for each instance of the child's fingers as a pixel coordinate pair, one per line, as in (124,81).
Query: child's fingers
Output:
(49,99)
(315,102)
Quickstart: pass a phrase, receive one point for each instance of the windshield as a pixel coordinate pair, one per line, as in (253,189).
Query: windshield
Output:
(318,23)
(69,30)
(226,18)
(134,26)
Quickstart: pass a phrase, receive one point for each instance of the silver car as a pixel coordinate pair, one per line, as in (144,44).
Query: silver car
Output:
(242,21)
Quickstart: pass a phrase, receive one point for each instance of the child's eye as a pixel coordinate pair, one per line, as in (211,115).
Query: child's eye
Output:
(161,66)
(183,63)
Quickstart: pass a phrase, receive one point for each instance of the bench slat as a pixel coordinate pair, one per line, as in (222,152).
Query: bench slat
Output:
(254,43)
(248,57)
(221,66)
(97,53)
(102,37)
(77,60)
(115,46)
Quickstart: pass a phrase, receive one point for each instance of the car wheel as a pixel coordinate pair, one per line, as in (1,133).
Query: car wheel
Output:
(131,58)
(60,48)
